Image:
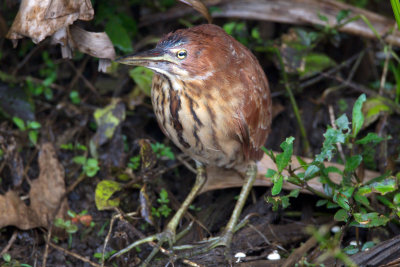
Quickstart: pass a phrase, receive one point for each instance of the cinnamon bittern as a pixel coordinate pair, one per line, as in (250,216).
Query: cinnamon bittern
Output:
(211,98)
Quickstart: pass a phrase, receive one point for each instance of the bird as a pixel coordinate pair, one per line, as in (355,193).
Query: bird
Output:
(211,97)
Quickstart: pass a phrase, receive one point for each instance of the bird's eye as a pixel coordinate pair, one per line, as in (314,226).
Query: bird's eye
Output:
(181,54)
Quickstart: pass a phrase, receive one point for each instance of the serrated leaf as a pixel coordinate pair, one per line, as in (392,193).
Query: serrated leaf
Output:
(358,117)
(341,216)
(282,160)
(104,190)
(278,182)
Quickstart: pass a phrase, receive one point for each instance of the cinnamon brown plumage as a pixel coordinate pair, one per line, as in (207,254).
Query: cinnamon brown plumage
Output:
(211,98)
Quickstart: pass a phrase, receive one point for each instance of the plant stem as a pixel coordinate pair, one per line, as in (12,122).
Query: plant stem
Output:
(306,144)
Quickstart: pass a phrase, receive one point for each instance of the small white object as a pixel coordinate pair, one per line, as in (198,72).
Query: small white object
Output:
(354,243)
(239,256)
(335,229)
(274,256)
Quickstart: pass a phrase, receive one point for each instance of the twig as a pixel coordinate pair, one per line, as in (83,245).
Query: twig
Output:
(46,248)
(10,243)
(306,144)
(27,57)
(299,252)
(87,83)
(73,254)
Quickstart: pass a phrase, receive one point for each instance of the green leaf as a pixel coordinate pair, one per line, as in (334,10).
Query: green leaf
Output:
(143,78)
(270,173)
(352,163)
(104,190)
(314,63)
(162,151)
(322,17)
(34,125)
(386,186)
(91,167)
(341,216)
(321,202)
(333,136)
(311,171)
(75,98)
(370,138)
(118,35)
(294,193)
(361,199)
(19,123)
(342,15)
(107,120)
(79,160)
(278,182)
(396,199)
(229,27)
(33,137)
(342,197)
(368,245)
(351,250)
(358,117)
(373,108)
(372,219)
(6,257)
(283,159)
(365,190)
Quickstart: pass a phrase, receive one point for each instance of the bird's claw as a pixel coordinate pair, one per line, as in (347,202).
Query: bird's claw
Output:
(166,236)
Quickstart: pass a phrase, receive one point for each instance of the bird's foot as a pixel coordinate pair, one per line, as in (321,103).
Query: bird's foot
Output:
(206,246)
(167,236)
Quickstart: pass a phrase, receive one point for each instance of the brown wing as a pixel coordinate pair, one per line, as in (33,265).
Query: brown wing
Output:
(255,118)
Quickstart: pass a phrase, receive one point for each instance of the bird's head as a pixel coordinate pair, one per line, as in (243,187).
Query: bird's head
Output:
(195,53)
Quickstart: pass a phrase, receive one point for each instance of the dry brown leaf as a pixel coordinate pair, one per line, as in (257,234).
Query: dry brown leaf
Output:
(218,178)
(200,7)
(300,12)
(46,196)
(38,19)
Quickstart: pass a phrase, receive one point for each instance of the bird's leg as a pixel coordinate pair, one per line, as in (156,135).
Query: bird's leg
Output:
(169,234)
(226,238)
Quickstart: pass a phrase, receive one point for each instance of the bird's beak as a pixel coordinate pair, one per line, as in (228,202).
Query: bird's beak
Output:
(145,58)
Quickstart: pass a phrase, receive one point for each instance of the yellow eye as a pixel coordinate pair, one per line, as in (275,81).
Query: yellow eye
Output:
(181,54)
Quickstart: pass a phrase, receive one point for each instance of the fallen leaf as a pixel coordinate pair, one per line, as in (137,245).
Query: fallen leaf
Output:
(38,19)
(46,196)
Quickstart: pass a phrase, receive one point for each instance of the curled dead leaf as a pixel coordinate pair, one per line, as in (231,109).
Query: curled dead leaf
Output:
(200,7)
(39,19)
